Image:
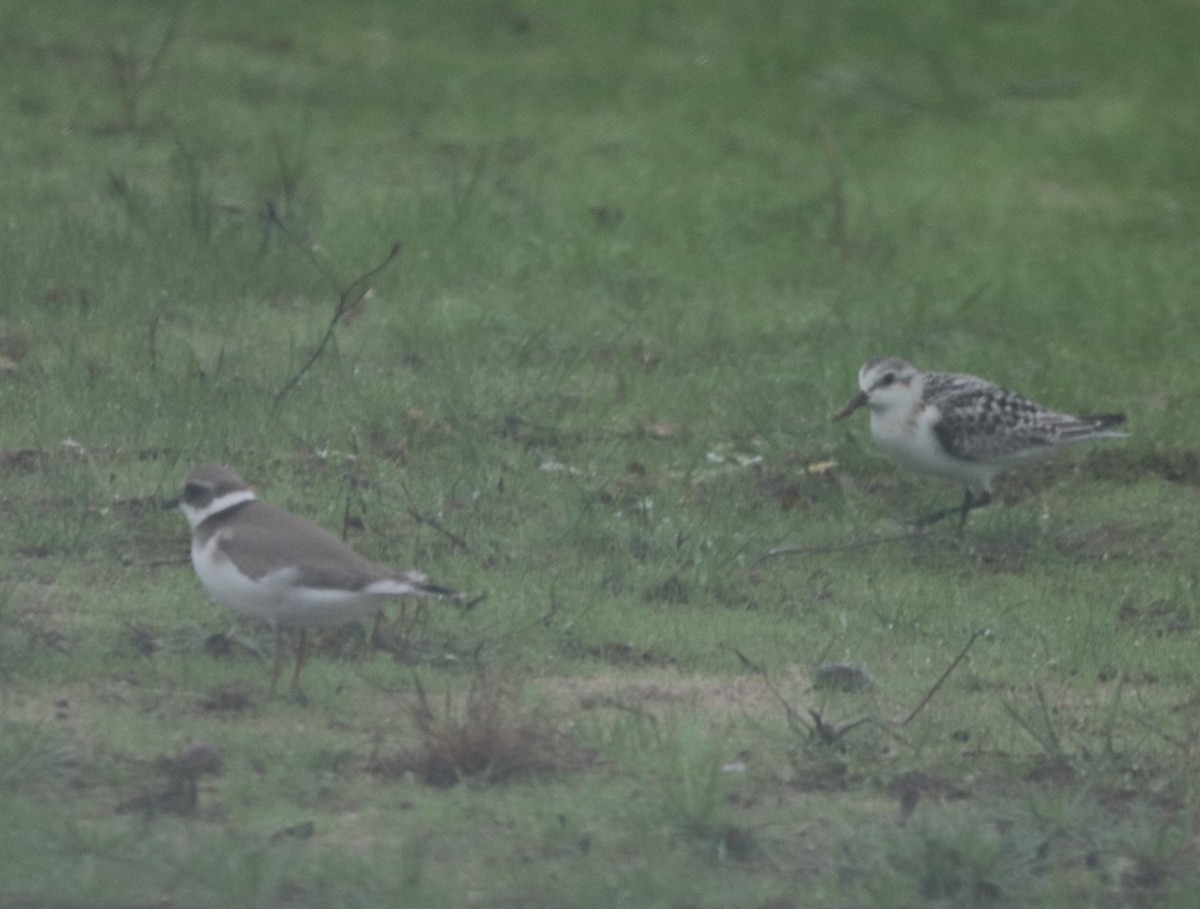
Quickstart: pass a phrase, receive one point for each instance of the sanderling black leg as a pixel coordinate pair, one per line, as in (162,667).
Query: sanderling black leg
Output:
(969,503)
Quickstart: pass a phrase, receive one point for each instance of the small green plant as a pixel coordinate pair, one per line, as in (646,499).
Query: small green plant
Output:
(693,786)
(1156,853)
(969,863)
(61,509)
(1039,723)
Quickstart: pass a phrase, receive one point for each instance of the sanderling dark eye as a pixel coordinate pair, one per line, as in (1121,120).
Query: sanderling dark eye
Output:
(888,379)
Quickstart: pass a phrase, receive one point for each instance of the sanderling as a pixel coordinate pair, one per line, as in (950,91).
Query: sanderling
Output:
(962,427)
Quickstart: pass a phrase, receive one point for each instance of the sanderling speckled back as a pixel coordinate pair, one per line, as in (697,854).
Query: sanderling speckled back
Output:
(962,427)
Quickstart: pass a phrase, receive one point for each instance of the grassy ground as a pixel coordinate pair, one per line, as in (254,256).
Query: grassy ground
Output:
(644,249)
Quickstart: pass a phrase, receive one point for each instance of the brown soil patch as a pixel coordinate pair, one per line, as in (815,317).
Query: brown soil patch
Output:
(663,691)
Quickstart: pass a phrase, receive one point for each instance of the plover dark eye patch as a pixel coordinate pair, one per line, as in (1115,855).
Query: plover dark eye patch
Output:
(197,494)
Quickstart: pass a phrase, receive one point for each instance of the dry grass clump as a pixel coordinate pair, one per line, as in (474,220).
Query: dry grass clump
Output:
(487,735)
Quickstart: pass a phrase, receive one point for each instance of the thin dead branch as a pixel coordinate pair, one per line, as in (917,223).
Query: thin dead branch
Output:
(837,193)
(152,331)
(827,733)
(422,518)
(132,77)
(976,635)
(351,296)
(431,523)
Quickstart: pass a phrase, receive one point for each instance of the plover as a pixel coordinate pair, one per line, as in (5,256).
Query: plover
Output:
(278,568)
(962,427)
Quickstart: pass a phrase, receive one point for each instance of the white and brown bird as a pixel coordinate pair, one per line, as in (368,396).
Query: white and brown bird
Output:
(278,568)
(962,427)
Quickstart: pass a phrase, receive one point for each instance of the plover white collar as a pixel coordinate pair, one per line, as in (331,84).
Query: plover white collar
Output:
(278,568)
(962,427)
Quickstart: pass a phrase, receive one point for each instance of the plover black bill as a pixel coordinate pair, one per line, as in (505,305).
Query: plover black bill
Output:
(962,427)
(267,564)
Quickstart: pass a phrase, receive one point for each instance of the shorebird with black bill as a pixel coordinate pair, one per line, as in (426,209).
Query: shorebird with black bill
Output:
(962,427)
(281,569)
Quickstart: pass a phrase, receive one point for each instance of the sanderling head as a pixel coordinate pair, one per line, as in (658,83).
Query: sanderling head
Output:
(884,383)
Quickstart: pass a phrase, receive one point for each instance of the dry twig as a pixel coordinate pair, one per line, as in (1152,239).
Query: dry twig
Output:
(351,296)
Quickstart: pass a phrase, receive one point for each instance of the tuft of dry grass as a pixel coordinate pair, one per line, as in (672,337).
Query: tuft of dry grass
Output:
(487,734)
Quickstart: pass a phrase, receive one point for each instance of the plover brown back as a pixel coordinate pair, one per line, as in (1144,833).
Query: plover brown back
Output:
(279,568)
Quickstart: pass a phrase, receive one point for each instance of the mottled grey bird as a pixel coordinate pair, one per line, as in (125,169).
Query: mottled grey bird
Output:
(962,427)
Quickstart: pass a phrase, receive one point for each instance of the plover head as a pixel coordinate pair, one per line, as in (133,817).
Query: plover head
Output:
(209,490)
(884,384)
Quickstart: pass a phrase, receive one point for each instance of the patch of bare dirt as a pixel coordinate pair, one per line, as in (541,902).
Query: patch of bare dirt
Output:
(663,691)
(177,789)
(673,590)
(1118,541)
(617,653)
(1158,617)
(235,697)
(911,787)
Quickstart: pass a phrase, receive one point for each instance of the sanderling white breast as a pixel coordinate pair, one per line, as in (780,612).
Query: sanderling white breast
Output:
(962,427)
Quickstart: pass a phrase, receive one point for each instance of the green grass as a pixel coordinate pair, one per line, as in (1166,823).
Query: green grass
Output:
(645,249)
